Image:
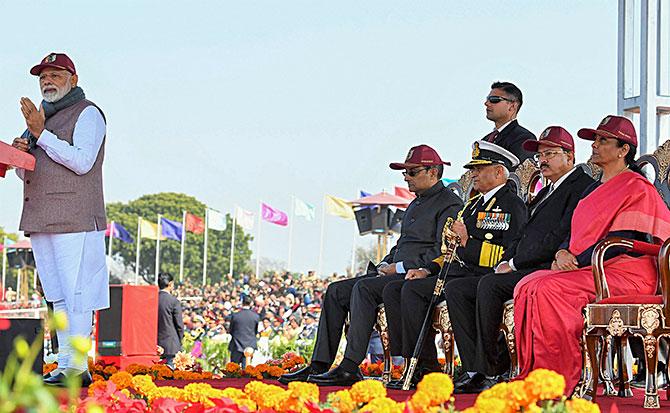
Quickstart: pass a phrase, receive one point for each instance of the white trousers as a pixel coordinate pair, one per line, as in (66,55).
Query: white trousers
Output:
(73,274)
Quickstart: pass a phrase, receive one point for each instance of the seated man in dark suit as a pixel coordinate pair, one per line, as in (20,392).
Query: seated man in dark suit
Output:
(243,330)
(503,104)
(170,321)
(490,224)
(418,244)
(476,305)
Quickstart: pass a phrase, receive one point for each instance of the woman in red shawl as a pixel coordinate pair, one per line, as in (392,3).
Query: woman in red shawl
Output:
(548,304)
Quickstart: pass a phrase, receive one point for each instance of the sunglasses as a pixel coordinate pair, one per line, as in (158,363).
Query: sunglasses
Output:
(497,99)
(415,171)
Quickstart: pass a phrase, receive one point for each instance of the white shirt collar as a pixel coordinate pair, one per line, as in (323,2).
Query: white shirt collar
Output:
(563,178)
(487,196)
(500,129)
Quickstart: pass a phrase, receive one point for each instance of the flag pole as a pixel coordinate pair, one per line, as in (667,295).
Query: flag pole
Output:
(258,240)
(4,268)
(353,249)
(158,248)
(34,278)
(204,253)
(111,237)
(137,252)
(323,226)
(290,233)
(232,242)
(183,241)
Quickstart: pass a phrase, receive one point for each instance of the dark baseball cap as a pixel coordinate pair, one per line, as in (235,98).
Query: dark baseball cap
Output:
(612,126)
(422,155)
(55,60)
(552,136)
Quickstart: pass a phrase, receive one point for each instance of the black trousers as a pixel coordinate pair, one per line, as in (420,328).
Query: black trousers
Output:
(334,310)
(406,304)
(365,298)
(476,306)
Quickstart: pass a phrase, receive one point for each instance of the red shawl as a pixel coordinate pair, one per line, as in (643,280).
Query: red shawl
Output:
(626,202)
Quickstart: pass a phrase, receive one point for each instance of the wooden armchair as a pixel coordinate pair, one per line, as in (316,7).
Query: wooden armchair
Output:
(614,319)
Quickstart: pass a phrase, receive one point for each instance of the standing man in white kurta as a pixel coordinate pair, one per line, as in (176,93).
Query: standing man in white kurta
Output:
(63,204)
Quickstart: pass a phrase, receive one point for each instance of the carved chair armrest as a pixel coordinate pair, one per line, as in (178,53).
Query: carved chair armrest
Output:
(598,259)
(664,270)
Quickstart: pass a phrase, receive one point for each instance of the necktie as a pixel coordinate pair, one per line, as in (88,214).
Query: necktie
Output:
(492,136)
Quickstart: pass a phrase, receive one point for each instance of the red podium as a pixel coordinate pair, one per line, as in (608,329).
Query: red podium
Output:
(10,156)
(127,332)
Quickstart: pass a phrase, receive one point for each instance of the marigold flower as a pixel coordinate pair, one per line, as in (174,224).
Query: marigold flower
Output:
(99,384)
(366,390)
(545,384)
(233,368)
(519,393)
(581,406)
(143,384)
(493,405)
(438,385)
(97,377)
(342,401)
(420,401)
(383,405)
(109,370)
(122,379)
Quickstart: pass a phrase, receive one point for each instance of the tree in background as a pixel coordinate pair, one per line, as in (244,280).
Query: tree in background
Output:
(10,281)
(171,206)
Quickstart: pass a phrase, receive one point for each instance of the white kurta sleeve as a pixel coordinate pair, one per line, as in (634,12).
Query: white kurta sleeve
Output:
(89,131)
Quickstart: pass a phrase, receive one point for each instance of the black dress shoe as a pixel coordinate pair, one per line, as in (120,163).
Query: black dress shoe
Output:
(298,375)
(462,379)
(60,379)
(477,384)
(335,377)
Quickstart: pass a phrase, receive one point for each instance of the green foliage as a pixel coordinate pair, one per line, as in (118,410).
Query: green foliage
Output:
(281,345)
(171,206)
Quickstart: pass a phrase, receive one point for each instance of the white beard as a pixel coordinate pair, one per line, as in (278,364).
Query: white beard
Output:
(52,97)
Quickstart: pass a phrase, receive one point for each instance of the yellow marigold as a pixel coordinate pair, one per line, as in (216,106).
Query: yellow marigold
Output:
(366,390)
(168,392)
(581,406)
(471,409)
(420,401)
(200,393)
(143,384)
(122,379)
(438,385)
(492,405)
(545,384)
(298,394)
(267,396)
(342,401)
(100,384)
(233,393)
(383,405)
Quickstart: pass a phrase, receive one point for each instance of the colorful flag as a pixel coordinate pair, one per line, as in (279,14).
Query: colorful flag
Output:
(8,244)
(195,224)
(365,194)
(404,193)
(149,230)
(171,229)
(274,216)
(118,232)
(216,220)
(339,207)
(303,209)
(245,219)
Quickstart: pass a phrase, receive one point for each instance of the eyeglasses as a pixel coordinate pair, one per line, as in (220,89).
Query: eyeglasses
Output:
(546,155)
(415,171)
(498,99)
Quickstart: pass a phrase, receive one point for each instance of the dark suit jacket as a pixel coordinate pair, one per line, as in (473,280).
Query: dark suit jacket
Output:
(549,223)
(170,323)
(421,229)
(512,139)
(243,328)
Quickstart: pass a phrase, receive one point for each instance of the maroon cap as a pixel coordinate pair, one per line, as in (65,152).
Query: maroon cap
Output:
(552,136)
(422,155)
(55,60)
(612,127)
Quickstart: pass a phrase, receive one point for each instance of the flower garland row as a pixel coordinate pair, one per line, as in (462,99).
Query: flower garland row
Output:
(541,391)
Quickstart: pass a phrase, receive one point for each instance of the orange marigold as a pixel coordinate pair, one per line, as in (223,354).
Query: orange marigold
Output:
(135,369)
(109,370)
(97,377)
(48,368)
(233,368)
(122,379)
(99,384)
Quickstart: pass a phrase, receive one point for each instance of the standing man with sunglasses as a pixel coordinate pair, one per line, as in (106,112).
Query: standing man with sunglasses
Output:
(502,107)
(419,243)
(476,305)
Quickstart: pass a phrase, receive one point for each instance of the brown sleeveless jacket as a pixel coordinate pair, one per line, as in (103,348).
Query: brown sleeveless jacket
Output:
(57,200)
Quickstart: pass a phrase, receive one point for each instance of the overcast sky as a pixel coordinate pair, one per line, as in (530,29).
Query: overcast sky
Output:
(247,101)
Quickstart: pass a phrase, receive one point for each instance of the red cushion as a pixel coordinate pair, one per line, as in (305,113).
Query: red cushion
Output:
(633,299)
